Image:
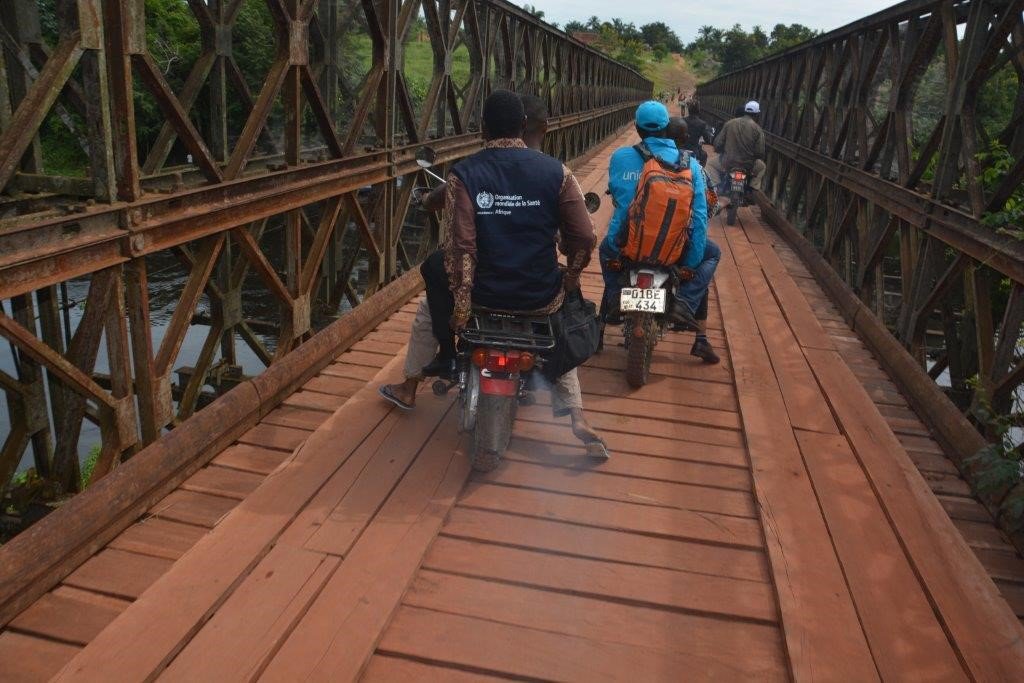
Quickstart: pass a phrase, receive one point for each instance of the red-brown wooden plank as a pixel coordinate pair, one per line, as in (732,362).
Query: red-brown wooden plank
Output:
(605,544)
(118,573)
(159,538)
(717,648)
(68,614)
(658,521)
(250,458)
(193,508)
(272,436)
(30,659)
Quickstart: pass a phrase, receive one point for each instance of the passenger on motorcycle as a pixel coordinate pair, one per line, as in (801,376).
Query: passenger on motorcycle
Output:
(700,258)
(502,255)
(740,144)
(678,131)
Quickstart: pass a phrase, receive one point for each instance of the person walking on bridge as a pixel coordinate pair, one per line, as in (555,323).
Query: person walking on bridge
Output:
(700,258)
(740,144)
(488,273)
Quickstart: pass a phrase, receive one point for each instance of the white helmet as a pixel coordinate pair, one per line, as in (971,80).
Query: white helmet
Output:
(752,107)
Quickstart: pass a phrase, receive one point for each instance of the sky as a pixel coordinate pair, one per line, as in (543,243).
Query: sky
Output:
(686,17)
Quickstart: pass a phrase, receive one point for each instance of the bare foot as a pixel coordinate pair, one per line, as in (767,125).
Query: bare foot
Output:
(581,429)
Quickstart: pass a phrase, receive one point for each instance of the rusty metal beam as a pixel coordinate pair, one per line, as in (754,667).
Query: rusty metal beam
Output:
(305,148)
(921,174)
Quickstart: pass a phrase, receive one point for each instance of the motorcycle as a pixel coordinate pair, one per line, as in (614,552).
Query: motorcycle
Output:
(643,303)
(737,185)
(499,356)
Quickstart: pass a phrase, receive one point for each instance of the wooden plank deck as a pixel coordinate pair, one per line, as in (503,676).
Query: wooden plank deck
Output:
(763,518)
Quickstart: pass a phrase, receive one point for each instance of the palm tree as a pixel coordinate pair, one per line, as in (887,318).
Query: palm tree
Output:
(532,10)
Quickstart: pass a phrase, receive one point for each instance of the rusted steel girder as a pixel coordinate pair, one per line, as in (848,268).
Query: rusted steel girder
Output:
(894,144)
(271,161)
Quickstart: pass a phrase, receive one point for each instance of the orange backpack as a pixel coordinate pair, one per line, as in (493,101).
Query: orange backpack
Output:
(658,222)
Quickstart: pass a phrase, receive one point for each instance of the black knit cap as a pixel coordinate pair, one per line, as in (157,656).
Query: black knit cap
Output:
(503,115)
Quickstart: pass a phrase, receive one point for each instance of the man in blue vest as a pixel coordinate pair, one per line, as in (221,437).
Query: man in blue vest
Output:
(700,258)
(504,207)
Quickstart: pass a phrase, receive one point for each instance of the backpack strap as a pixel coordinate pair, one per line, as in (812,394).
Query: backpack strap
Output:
(644,151)
(646,154)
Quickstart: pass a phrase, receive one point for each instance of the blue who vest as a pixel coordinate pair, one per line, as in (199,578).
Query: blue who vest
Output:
(515,193)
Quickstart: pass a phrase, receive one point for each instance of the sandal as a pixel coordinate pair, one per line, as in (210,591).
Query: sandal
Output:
(597,449)
(387,395)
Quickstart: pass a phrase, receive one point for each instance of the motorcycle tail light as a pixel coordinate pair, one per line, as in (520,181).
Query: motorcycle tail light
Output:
(645,280)
(739,175)
(480,357)
(500,361)
(526,361)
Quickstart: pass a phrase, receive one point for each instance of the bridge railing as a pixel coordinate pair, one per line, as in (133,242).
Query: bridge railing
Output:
(896,147)
(190,191)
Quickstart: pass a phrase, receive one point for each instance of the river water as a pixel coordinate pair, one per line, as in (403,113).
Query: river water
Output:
(167,278)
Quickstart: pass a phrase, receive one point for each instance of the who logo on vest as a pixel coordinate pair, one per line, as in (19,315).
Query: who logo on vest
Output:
(485,200)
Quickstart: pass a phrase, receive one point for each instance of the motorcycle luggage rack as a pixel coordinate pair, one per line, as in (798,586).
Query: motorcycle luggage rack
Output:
(494,328)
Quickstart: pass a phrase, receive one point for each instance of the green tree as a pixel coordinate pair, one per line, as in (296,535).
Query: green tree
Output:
(658,34)
(738,49)
(533,11)
(715,49)
(785,36)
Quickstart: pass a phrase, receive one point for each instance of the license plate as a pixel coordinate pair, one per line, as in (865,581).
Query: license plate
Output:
(739,185)
(642,300)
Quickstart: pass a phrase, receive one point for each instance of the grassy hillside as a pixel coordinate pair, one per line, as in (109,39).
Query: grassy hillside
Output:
(670,73)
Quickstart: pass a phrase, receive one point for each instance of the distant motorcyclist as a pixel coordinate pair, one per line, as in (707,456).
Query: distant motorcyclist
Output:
(698,132)
(740,144)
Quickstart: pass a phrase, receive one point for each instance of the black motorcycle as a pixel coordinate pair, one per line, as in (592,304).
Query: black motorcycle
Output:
(738,186)
(644,301)
(500,354)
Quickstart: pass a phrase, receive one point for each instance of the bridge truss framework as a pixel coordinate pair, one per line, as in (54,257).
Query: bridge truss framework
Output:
(890,187)
(323,156)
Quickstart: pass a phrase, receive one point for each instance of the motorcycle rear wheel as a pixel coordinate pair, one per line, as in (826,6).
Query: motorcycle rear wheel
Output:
(639,351)
(492,431)
(730,211)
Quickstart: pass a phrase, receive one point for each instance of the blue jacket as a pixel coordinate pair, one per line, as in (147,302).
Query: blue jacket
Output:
(624,173)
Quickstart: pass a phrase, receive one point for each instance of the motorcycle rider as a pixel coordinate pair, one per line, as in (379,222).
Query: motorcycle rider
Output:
(438,305)
(698,132)
(678,131)
(700,258)
(534,130)
(740,144)
(500,253)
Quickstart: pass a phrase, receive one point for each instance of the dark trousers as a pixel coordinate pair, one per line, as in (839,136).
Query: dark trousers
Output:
(440,302)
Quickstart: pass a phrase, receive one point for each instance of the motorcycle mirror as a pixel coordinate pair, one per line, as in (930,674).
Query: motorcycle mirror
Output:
(592,201)
(425,157)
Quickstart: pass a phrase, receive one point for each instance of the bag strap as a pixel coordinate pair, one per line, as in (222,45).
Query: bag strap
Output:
(646,154)
(644,151)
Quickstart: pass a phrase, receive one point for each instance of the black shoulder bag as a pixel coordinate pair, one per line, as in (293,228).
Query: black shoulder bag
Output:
(576,335)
